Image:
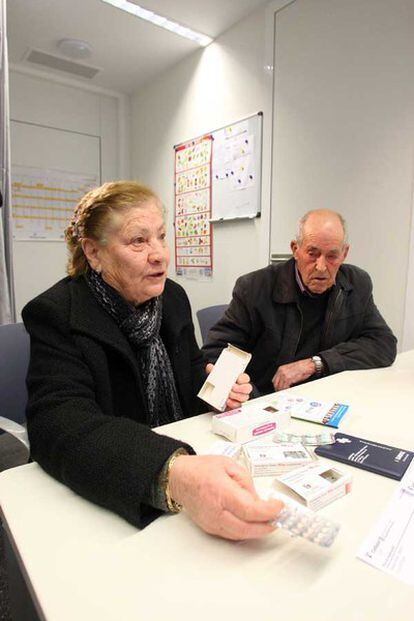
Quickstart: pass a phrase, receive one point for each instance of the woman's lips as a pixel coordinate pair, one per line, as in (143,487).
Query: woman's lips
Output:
(156,275)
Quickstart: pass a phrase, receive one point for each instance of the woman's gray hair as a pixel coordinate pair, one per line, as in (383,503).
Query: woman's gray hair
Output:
(302,221)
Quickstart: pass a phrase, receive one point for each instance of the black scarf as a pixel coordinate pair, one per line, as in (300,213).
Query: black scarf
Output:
(141,326)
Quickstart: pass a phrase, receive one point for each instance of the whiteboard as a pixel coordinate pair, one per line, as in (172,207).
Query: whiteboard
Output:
(236,170)
(236,167)
(39,264)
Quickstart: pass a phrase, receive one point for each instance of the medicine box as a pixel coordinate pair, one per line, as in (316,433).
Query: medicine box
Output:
(317,484)
(229,365)
(246,424)
(227,449)
(327,413)
(272,459)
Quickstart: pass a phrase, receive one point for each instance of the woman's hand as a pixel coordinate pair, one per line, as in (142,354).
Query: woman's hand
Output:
(219,496)
(240,391)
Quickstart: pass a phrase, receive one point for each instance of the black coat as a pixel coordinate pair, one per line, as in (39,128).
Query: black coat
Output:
(264,318)
(87,415)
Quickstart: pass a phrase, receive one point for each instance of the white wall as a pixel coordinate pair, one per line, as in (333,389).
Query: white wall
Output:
(37,102)
(344,131)
(343,134)
(216,86)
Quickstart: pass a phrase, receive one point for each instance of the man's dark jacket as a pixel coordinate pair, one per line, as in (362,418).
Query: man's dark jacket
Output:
(87,416)
(264,318)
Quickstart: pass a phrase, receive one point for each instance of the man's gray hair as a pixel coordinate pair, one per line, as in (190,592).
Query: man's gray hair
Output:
(302,221)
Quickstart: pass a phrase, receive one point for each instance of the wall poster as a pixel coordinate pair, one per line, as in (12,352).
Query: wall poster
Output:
(43,201)
(193,239)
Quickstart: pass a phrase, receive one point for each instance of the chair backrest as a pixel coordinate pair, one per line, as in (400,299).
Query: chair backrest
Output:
(14,360)
(209,316)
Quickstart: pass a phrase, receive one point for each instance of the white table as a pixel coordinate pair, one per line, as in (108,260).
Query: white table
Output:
(84,563)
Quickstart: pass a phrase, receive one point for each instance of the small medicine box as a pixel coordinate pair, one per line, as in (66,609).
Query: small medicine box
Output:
(317,484)
(229,365)
(271,459)
(246,424)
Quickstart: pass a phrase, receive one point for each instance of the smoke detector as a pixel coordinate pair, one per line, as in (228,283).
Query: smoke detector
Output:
(75,48)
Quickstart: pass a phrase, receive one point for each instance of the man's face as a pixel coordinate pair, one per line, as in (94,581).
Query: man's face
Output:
(321,252)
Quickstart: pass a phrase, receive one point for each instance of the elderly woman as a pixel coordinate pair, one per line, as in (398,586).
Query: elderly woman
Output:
(113,354)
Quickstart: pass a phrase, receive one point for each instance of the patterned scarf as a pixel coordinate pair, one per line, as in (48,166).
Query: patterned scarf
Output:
(141,326)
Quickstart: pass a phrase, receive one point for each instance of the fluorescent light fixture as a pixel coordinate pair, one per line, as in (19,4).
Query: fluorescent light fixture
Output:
(161,21)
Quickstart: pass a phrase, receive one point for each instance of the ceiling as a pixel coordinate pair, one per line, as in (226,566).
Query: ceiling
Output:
(127,50)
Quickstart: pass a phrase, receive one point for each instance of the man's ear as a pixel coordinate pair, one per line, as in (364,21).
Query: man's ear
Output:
(346,251)
(294,246)
(91,251)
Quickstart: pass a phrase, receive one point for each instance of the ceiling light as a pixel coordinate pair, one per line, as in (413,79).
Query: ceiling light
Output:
(161,21)
(75,48)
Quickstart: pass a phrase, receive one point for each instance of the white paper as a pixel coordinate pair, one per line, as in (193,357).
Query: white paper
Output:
(390,545)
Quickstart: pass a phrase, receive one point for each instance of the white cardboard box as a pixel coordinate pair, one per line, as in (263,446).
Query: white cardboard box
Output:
(271,459)
(230,364)
(317,484)
(327,413)
(227,449)
(246,424)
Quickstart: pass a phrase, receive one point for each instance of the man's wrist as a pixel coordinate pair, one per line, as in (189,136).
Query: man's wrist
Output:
(319,366)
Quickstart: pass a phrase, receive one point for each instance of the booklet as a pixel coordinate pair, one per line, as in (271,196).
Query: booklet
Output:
(389,461)
(323,412)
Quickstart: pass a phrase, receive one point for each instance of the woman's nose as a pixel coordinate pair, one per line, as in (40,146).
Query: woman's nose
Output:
(157,250)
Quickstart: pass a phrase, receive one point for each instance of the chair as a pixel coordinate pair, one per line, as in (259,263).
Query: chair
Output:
(14,360)
(209,316)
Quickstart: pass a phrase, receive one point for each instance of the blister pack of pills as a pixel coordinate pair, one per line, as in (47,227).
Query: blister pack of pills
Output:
(307,439)
(301,522)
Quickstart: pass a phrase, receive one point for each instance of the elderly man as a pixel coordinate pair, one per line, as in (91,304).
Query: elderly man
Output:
(308,317)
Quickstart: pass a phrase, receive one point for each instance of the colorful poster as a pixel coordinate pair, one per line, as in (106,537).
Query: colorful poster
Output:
(193,239)
(43,201)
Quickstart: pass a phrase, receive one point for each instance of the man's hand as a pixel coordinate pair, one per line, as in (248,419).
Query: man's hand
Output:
(219,496)
(240,391)
(293,373)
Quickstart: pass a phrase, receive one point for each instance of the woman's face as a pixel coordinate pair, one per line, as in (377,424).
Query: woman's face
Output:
(134,260)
